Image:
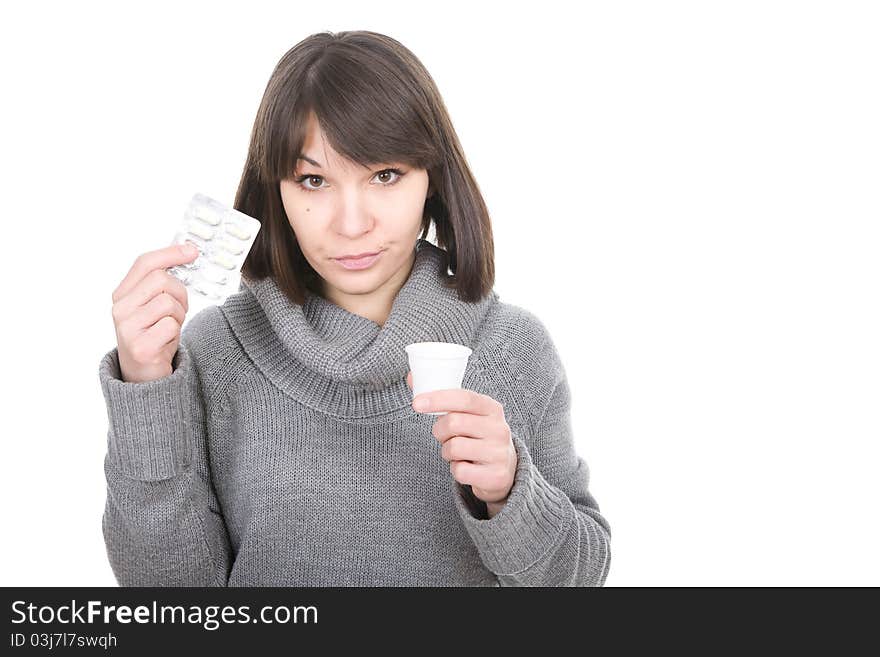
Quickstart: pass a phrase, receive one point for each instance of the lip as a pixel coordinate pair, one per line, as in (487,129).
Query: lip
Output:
(358,256)
(361,261)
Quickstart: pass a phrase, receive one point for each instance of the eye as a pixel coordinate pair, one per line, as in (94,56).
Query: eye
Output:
(398,174)
(310,178)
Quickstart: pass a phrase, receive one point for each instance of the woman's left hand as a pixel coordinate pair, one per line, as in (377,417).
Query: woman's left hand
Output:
(476,441)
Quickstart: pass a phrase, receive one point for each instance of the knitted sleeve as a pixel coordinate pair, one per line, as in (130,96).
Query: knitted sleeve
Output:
(162,524)
(550,531)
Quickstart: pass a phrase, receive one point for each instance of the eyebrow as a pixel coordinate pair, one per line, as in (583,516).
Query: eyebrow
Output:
(309,160)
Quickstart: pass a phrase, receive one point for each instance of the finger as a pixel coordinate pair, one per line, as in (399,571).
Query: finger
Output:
(409,380)
(160,306)
(156,282)
(464,424)
(460,448)
(457,399)
(465,472)
(163,332)
(147,262)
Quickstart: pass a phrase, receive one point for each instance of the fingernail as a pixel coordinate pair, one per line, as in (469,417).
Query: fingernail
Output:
(189,250)
(421,403)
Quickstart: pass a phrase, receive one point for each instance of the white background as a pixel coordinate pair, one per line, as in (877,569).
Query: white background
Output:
(686,193)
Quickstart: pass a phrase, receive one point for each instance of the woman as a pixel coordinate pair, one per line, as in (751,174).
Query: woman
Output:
(276,441)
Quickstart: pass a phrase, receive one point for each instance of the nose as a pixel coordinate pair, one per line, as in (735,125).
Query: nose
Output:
(353,218)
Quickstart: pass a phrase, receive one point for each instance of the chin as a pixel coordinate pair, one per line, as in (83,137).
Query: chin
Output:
(358,287)
(357,282)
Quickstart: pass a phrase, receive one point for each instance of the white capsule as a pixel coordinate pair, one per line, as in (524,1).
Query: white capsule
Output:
(200,230)
(213,275)
(205,213)
(232,246)
(237,231)
(180,274)
(223,261)
(207,289)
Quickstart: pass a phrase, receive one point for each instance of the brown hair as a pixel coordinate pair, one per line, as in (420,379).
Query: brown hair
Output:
(376,103)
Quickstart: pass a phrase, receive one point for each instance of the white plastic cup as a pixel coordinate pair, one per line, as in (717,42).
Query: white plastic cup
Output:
(437,366)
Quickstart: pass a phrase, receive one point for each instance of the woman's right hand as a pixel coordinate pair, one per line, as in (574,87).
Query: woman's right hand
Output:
(149,307)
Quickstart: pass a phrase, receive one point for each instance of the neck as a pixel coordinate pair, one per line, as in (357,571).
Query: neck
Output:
(375,305)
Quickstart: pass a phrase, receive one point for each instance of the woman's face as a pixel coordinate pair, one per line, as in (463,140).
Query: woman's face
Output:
(337,208)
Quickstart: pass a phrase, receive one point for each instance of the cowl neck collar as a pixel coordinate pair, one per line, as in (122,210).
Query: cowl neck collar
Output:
(342,363)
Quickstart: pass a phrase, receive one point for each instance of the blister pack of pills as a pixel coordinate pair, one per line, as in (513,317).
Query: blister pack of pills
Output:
(223,237)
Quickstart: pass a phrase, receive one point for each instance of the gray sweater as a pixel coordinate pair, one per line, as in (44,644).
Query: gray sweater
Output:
(283,451)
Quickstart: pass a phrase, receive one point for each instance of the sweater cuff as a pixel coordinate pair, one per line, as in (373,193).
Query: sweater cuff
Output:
(534,519)
(148,420)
